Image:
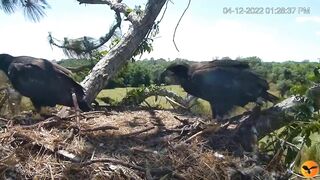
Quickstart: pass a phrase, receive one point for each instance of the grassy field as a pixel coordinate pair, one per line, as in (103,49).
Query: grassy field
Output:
(117,94)
(202,107)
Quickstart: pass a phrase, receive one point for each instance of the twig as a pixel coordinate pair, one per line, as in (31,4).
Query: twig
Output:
(51,173)
(138,132)
(183,121)
(212,128)
(143,150)
(175,29)
(111,160)
(101,128)
(158,171)
(93,112)
(164,12)
(178,130)
(4,120)
(69,156)
(47,122)
(175,103)
(195,135)
(84,114)
(289,144)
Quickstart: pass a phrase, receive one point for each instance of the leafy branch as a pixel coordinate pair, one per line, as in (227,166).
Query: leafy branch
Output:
(86,46)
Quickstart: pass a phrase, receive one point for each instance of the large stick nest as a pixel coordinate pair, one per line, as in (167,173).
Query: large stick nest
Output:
(135,144)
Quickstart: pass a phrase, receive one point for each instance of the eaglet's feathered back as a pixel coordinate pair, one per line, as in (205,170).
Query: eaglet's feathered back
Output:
(224,83)
(45,83)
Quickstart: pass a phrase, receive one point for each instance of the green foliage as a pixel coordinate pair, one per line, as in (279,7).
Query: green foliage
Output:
(73,63)
(119,93)
(298,89)
(85,64)
(283,87)
(137,96)
(128,11)
(145,46)
(132,75)
(311,152)
(290,78)
(139,73)
(297,133)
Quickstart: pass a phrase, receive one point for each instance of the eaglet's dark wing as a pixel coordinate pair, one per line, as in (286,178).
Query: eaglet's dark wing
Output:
(227,80)
(219,63)
(42,81)
(213,83)
(250,86)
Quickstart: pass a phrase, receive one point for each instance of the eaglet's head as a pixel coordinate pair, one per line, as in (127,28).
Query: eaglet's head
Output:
(179,70)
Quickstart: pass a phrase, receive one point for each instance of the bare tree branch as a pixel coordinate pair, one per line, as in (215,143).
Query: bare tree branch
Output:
(115,5)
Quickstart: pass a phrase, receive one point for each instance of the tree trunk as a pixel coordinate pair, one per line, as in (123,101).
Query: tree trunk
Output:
(109,65)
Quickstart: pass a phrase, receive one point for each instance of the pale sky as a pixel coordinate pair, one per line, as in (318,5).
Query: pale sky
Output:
(205,31)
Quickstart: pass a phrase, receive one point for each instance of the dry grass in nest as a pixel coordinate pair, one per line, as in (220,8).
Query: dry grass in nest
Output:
(138,144)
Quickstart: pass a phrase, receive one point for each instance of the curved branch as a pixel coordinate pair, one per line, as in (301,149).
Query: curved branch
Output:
(88,46)
(175,29)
